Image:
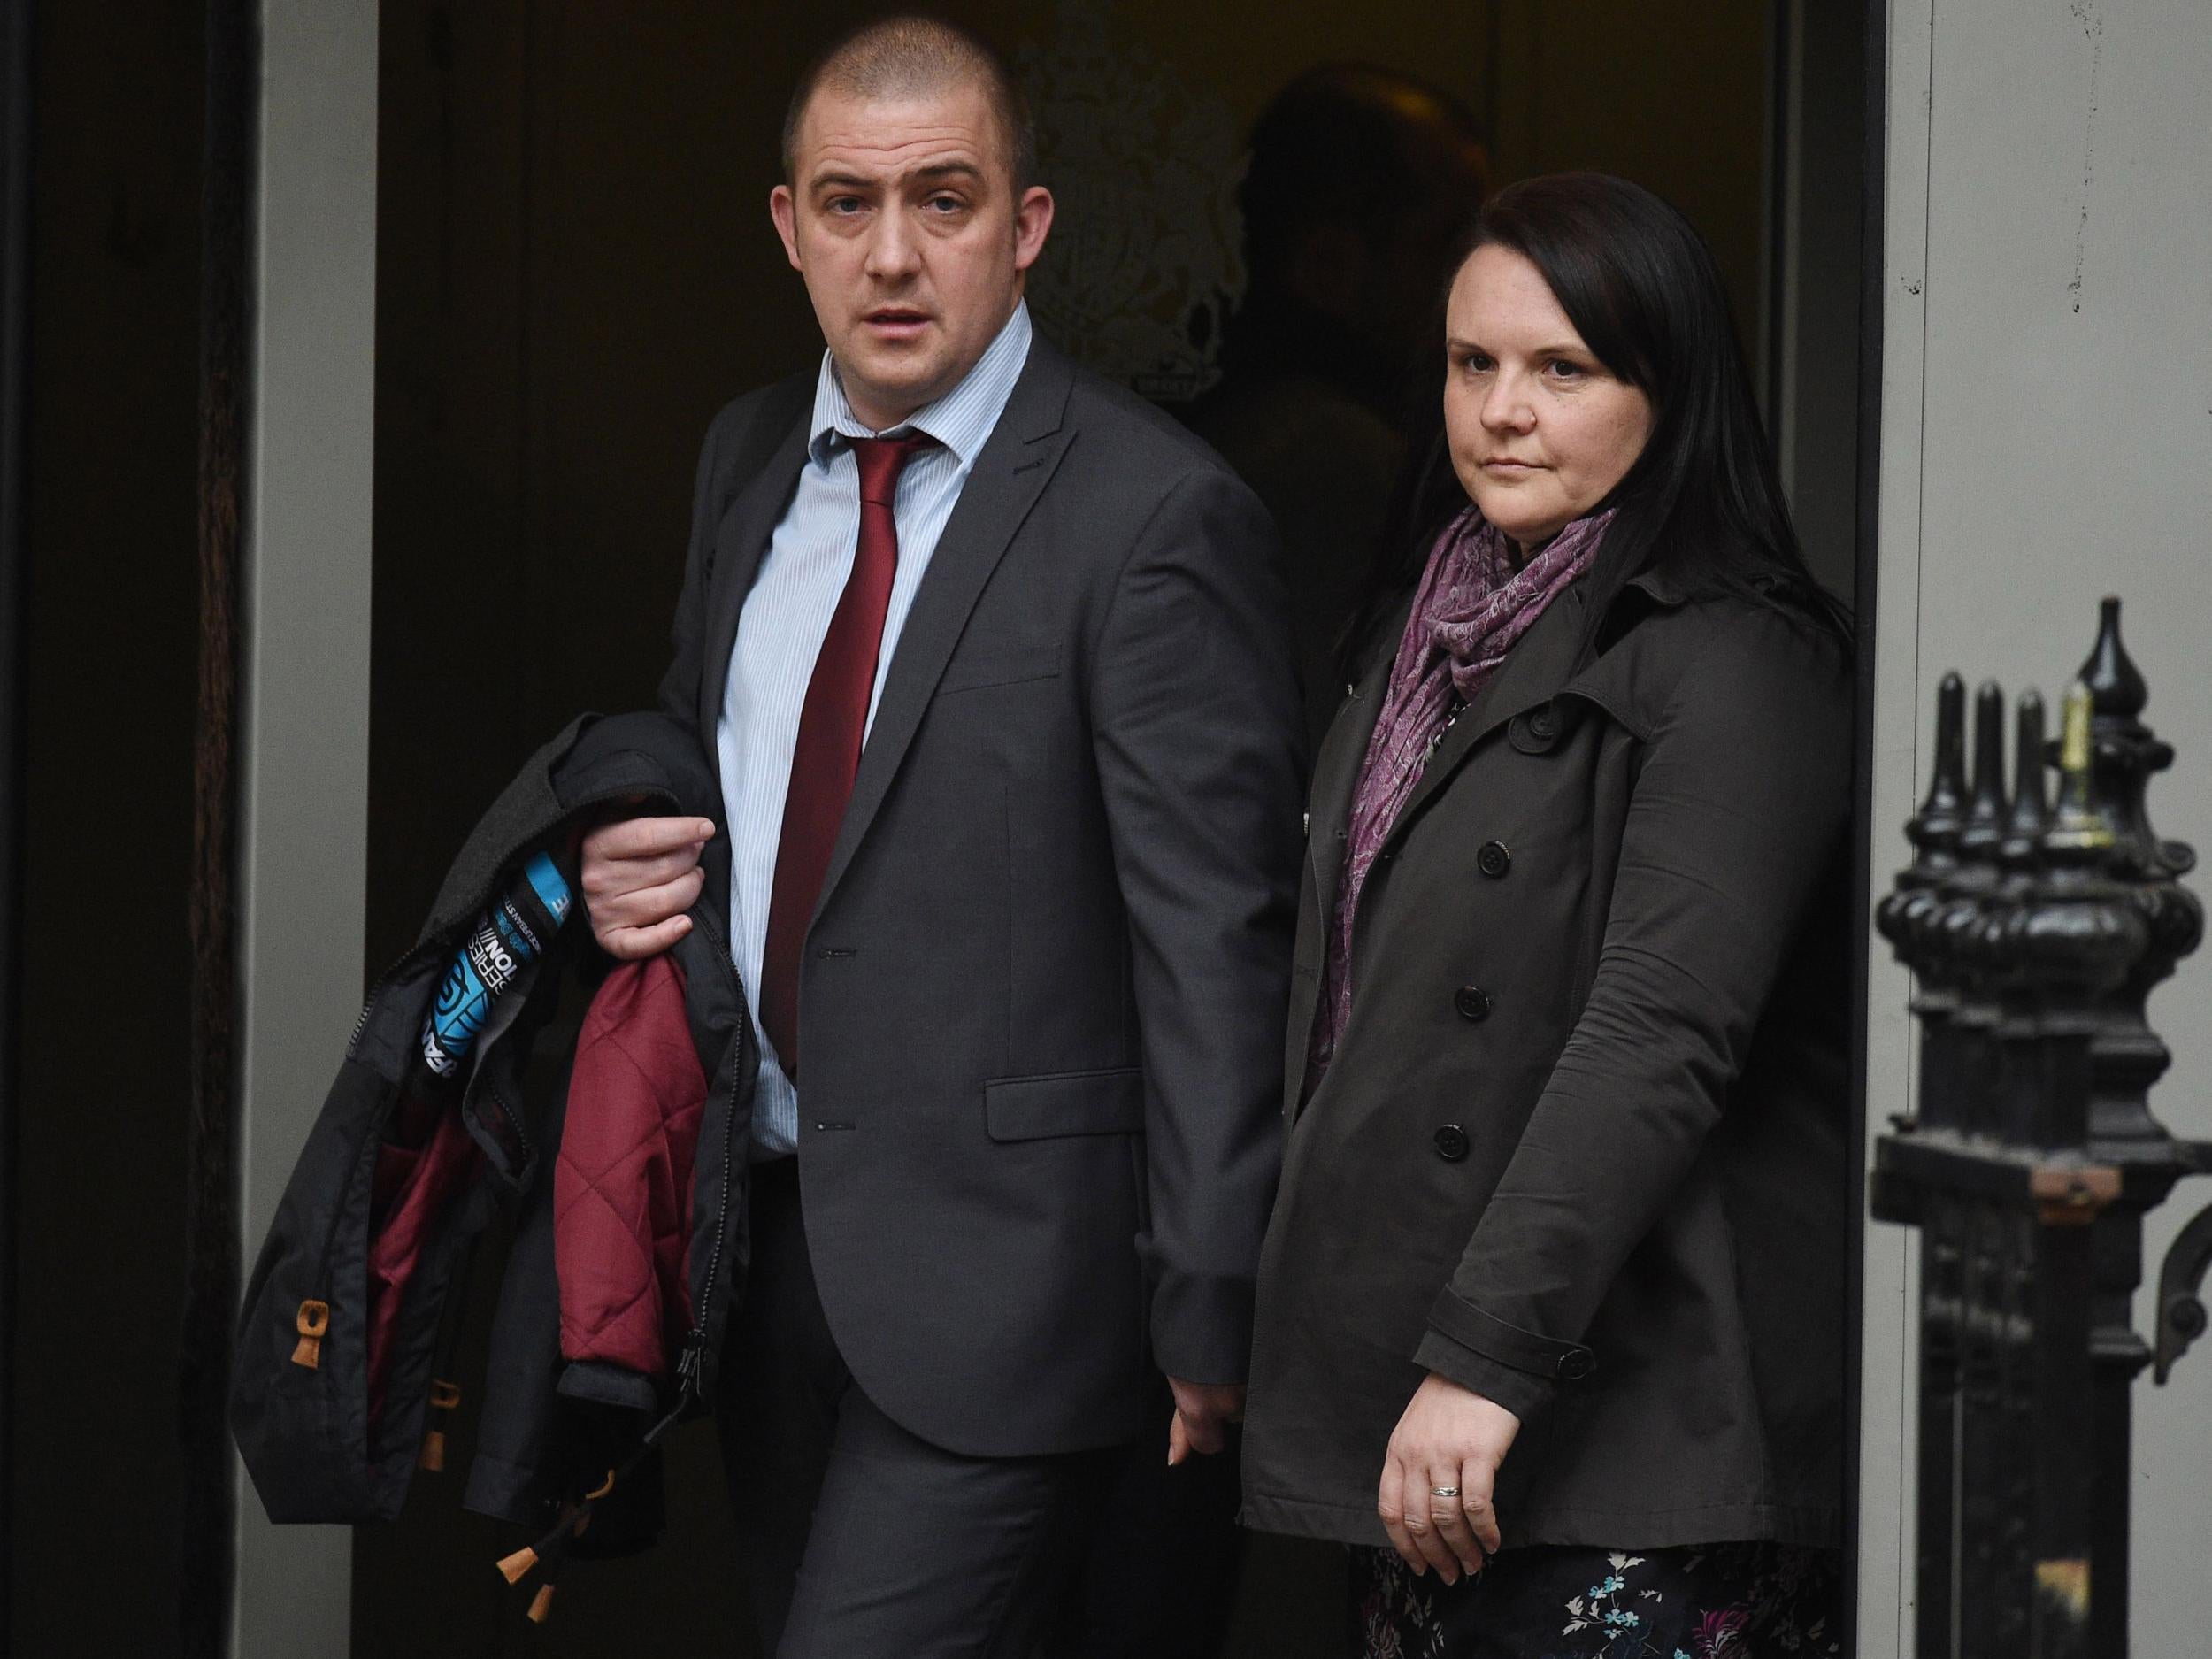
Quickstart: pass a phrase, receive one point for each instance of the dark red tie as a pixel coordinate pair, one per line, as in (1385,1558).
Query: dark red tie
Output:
(831,723)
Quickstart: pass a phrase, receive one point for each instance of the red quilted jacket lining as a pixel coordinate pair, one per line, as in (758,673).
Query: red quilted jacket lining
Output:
(622,1185)
(407,1195)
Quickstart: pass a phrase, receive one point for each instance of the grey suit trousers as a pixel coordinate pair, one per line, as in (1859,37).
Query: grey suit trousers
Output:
(860,1538)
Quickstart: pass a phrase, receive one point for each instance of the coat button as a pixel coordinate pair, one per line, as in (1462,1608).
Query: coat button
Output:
(1451,1143)
(1473,1002)
(1543,723)
(1576,1363)
(1493,859)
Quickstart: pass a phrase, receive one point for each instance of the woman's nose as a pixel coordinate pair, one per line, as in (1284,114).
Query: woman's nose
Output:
(1507,408)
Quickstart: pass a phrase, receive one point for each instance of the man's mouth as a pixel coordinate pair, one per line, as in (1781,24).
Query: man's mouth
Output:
(895,319)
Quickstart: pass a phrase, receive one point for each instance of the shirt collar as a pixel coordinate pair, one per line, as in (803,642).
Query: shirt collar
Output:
(962,420)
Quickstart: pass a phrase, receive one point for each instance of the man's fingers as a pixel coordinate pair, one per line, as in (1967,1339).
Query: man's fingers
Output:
(647,907)
(647,837)
(1478,1481)
(603,876)
(635,944)
(1178,1440)
(1201,1430)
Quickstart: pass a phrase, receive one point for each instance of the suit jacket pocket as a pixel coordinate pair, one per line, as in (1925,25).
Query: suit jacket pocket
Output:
(970,671)
(1064,1103)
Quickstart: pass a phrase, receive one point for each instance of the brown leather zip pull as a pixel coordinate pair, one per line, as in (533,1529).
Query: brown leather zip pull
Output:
(444,1396)
(312,1320)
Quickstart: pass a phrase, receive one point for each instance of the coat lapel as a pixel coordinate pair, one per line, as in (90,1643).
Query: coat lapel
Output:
(740,543)
(1534,671)
(1017,461)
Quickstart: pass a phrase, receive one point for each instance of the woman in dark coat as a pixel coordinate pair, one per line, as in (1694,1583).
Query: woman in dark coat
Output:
(1552,1307)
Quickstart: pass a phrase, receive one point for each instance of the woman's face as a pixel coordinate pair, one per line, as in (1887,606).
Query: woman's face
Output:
(1540,430)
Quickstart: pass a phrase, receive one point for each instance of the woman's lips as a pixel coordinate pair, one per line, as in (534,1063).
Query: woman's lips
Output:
(1507,464)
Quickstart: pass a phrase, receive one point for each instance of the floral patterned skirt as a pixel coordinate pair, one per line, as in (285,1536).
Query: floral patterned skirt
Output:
(1756,1601)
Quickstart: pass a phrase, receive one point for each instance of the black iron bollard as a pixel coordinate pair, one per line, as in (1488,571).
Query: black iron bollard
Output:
(2035,932)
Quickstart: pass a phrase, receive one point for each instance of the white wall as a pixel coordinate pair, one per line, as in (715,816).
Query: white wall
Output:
(305,822)
(2046,438)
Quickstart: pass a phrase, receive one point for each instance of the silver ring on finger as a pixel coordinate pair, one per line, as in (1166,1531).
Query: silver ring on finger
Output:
(1443,1492)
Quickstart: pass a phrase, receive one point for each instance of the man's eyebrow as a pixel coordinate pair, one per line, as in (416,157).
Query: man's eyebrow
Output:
(936,172)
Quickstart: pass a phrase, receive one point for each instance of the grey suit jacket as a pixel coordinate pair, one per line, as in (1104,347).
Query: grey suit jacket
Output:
(1043,992)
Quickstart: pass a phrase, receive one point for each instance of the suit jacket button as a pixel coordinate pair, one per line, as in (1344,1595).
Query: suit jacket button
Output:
(1451,1143)
(1576,1363)
(1543,723)
(1473,1002)
(1493,859)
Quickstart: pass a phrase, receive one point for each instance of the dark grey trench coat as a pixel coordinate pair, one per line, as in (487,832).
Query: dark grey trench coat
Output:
(1584,1145)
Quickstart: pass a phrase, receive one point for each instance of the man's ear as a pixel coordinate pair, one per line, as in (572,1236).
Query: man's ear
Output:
(1033,223)
(785,212)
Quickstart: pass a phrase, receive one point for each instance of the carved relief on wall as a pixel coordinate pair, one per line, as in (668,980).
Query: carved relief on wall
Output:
(1146,257)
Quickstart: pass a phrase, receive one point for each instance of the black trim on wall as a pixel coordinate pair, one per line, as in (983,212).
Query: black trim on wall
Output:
(15,198)
(212,1246)
(1874,180)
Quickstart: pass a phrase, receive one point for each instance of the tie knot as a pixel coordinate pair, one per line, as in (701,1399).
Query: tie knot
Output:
(882,460)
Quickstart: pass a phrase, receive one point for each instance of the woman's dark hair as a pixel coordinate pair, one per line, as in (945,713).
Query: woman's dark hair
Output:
(1704,504)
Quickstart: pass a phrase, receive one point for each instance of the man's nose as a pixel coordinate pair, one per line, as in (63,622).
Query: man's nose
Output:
(892,250)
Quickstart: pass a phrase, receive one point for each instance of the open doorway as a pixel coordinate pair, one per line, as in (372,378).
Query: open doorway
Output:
(575,270)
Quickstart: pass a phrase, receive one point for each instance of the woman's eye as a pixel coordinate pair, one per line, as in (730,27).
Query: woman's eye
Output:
(1477,363)
(1560,369)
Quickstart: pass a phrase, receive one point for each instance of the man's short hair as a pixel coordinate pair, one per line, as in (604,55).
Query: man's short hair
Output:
(913,57)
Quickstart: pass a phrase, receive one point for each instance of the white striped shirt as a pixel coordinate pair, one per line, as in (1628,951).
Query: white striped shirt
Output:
(785,617)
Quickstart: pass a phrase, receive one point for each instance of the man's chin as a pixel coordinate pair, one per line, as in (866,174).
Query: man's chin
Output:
(893,380)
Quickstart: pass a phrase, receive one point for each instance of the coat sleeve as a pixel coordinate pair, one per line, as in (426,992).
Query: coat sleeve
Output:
(1742,801)
(1196,734)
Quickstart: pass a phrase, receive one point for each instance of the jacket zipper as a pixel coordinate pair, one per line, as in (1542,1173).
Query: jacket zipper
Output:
(689,1362)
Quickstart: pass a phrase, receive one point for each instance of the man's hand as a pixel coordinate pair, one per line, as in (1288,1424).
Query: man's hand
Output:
(1203,1412)
(1453,1438)
(640,875)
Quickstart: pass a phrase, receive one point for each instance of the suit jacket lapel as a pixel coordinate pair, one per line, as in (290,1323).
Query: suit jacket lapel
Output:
(740,543)
(1017,461)
(1534,671)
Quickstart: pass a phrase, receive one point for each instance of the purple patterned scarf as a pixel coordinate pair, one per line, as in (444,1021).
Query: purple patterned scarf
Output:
(1472,607)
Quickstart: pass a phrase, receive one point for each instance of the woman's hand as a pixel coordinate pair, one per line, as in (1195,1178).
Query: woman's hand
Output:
(1449,1437)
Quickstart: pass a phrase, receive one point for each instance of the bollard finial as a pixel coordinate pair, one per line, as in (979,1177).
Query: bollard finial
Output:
(2076,825)
(2031,814)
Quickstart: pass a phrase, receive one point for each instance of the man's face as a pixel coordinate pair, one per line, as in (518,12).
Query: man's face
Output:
(901,216)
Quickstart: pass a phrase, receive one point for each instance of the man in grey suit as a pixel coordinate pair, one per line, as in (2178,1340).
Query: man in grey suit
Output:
(994,662)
